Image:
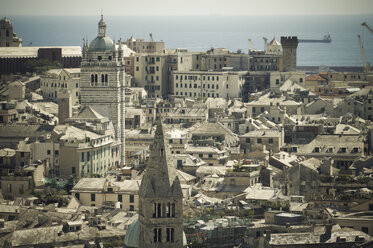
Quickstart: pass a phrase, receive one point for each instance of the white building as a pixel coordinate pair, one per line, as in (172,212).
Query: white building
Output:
(198,84)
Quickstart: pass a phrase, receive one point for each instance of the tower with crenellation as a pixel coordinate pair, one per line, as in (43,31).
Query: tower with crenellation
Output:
(289,51)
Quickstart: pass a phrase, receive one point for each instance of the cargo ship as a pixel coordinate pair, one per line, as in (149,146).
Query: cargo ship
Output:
(327,39)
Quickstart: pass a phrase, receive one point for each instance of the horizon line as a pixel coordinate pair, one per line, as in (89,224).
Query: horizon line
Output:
(205,15)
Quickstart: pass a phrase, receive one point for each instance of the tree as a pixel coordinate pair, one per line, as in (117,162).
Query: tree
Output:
(40,66)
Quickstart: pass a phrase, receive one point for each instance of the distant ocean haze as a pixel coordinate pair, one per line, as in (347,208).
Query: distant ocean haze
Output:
(200,33)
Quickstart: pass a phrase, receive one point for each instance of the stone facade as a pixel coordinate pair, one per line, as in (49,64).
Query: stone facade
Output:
(160,199)
(289,47)
(103,80)
(7,37)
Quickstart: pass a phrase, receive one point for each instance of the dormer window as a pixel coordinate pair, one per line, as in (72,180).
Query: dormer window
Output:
(343,149)
(355,150)
(317,149)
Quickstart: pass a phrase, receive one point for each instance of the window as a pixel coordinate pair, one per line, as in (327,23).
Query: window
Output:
(110,189)
(200,155)
(77,196)
(270,141)
(49,152)
(120,198)
(343,149)
(132,198)
(170,235)
(157,235)
(259,141)
(132,208)
(93,197)
(365,229)
(317,149)
(73,170)
(82,157)
(22,154)
(247,140)
(210,155)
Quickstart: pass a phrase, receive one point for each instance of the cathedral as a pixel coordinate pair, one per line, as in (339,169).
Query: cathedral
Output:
(102,80)
(160,221)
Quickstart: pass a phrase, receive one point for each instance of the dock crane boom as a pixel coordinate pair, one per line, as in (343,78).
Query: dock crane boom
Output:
(265,43)
(367,26)
(366,65)
(251,45)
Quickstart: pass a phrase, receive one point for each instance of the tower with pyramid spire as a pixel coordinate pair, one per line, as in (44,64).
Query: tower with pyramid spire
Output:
(160,204)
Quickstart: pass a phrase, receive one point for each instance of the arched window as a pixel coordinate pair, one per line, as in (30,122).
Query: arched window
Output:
(157,235)
(173,210)
(170,234)
(106,78)
(102,78)
(7,33)
(92,78)
(95,78)
(168,210)
(159,210)
(154,210)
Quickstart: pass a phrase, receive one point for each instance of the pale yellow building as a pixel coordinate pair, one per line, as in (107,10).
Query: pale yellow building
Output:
(109,192)
(84,153)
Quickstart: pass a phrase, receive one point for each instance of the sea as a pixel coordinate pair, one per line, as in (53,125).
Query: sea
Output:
(200,33)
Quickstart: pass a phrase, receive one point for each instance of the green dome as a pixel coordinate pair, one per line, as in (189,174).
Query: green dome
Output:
(132,235)
(101,44)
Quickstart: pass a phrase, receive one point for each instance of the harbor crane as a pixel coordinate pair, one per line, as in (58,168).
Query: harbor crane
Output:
(251,45)
(366,65)
(367,26)
(265,43)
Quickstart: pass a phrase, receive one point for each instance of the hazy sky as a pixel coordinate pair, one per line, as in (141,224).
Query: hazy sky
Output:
(185,7)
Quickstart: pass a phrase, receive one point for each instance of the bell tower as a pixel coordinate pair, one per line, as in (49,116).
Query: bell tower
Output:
(161,199)
(102,27)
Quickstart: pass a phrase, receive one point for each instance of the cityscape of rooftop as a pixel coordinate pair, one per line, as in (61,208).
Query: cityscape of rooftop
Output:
(186,124)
